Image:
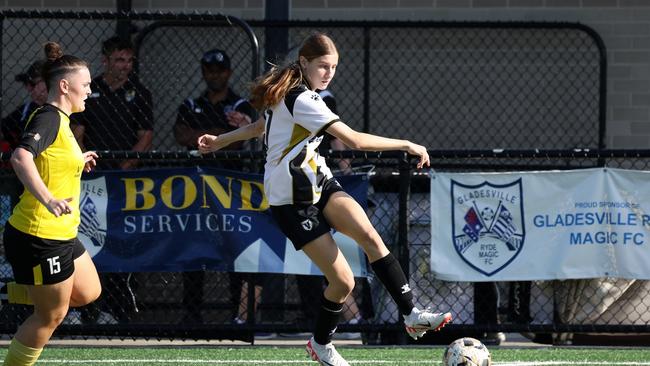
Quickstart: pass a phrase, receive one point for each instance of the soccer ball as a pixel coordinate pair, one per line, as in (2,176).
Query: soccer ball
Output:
(467,352)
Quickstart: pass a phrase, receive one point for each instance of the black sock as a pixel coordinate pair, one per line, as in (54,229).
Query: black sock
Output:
(390,273)
(327,320)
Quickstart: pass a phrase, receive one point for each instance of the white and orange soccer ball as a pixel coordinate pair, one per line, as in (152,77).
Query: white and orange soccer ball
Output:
(467,352)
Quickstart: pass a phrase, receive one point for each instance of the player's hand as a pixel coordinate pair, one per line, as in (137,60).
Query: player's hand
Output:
(89,160)
(421,151)
(58,207)
(238,119)
(209,143)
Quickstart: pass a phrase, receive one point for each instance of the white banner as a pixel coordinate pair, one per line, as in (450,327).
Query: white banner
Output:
(540,225)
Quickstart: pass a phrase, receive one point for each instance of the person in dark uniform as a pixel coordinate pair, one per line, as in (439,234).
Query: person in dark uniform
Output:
(119,112)
(13,124)
(118,116)
(40,238)
(217,110)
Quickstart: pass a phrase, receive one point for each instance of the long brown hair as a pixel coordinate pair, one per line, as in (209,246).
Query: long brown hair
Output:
(58,65)
(270,88)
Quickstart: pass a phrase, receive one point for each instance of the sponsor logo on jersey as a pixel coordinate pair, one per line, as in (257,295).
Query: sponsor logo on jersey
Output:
(129,95)
(36,136)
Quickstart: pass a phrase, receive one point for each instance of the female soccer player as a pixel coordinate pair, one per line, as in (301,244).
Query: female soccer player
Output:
(307,202)
(40,237)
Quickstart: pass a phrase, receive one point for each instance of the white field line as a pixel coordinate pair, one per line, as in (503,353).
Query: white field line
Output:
(571,363)
(363,362)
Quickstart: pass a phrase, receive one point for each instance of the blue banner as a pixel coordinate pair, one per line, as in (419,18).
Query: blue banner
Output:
(186,219)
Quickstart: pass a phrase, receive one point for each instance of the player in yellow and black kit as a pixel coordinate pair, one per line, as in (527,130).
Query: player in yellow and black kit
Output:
(40,237)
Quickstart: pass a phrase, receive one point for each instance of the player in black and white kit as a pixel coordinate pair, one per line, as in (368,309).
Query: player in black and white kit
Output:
(307,202)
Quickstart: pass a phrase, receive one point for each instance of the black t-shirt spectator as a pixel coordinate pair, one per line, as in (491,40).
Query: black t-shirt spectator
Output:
(200,114)
(112,118)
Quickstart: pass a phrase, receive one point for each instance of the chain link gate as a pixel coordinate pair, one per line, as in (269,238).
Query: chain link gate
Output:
(466,86)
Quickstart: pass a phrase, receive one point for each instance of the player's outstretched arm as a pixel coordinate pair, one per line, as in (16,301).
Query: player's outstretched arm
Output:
(368,142)
(209,143)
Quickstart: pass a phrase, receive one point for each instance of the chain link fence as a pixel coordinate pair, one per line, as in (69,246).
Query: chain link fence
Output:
(467,85)
(462,88)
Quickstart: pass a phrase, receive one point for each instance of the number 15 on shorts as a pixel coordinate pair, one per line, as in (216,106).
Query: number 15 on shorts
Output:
(54,264)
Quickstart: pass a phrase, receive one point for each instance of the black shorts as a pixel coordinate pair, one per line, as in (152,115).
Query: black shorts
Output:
(302,224)
(38,261)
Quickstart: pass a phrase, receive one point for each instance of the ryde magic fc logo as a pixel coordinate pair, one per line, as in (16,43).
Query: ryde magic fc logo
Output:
(487,224)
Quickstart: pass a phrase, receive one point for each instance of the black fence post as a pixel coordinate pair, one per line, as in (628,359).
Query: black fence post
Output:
(123,26)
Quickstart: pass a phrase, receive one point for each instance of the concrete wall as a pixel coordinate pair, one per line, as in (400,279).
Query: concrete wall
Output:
(623,24)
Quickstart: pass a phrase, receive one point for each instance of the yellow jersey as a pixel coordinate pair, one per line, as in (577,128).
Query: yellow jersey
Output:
(59,162)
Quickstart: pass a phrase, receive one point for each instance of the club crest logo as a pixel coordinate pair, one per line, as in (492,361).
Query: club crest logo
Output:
(94,200)
(307,225)
(487,224)
(129,95)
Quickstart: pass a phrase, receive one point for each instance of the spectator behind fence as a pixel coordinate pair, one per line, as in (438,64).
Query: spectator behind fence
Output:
(306,200)
(13,124)
(217,110)
(118,116)
(40,238)
(119,112)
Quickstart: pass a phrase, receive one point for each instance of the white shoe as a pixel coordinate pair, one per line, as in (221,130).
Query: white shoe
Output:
(326,355)
(420,321)
(105,318)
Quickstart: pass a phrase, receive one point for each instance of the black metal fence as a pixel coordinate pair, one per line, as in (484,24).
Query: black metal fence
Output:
(165,305)
(446,85)
(468,86)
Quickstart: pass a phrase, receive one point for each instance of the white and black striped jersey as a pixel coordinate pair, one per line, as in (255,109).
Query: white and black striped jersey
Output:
(294,170)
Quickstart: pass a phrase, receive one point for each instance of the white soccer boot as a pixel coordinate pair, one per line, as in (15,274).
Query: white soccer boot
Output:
(326,355)
(420,321)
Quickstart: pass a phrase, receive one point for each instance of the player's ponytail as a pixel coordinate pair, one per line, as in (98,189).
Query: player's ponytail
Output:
(270,88)
(58,65)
